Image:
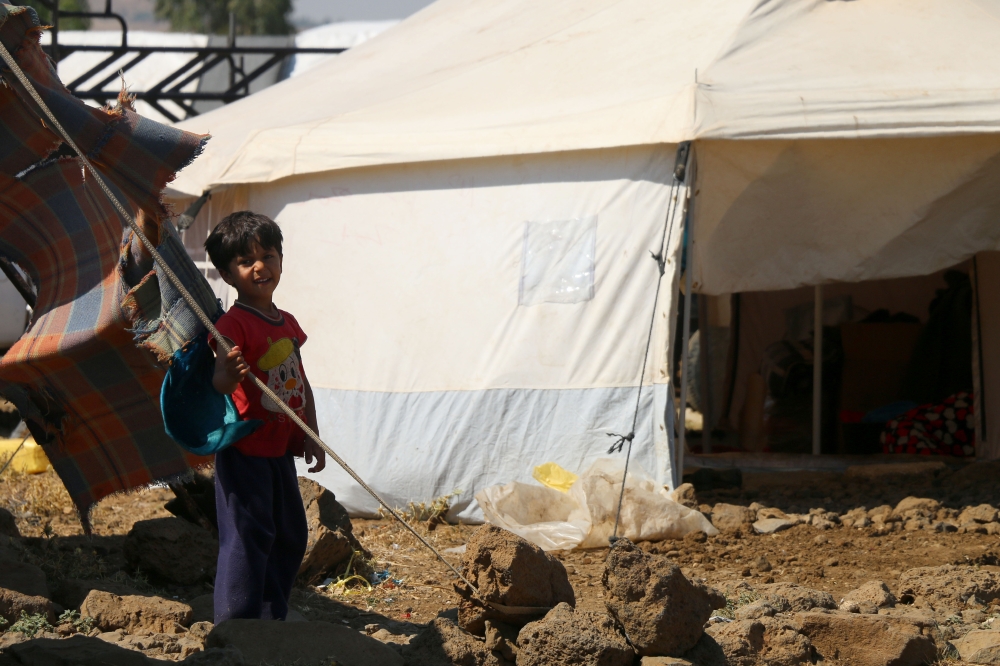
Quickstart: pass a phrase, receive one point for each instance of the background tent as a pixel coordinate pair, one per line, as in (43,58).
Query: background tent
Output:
(832,141)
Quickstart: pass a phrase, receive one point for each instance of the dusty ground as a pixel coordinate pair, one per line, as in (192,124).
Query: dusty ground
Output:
(418,587)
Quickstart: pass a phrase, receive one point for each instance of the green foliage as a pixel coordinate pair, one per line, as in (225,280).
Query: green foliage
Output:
(45,16)
(253,17)
(745,598)
(29,625)
(81,624)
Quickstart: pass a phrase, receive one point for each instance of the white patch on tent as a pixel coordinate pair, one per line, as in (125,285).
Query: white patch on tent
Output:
(557,265)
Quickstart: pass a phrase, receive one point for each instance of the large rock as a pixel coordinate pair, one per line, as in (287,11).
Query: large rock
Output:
(331,536)
(772,525)
(502,639)
(303,643)
(75,651)
(792,597)
(984,513)
(763,641)
(172,549)
(135,614)
(868,640)
(979,647)
(685,494)
(22,577)
(911,508)
(948,585)
(661,611)
(565,637)
(12,604)
(443,643)
(70,592)
(509,571)
(756,610)
(8,526)
(868,598)
(732,517)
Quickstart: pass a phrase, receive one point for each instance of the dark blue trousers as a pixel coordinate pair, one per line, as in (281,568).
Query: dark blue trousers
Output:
(262,535)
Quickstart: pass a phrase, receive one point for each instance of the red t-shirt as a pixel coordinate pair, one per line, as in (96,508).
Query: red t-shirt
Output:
(271,349)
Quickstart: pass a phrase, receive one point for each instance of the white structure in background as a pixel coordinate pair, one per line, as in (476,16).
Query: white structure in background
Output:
(157,66)
(143,76)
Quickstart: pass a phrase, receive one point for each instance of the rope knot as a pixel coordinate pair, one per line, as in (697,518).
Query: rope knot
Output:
(620,441)
(660,261)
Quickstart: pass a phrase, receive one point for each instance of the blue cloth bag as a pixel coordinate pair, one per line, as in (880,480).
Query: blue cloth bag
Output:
(196,416)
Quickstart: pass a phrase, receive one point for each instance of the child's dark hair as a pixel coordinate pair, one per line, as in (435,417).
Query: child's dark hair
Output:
(236,234)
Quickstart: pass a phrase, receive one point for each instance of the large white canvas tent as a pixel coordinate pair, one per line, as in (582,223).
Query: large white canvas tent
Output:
(470,200)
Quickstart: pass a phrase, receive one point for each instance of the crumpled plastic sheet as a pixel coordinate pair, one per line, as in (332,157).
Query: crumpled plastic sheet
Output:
(584,517)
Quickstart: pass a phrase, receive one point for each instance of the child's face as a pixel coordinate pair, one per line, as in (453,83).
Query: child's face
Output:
(255,274)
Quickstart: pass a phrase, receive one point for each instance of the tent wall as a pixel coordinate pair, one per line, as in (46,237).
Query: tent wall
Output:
(429,375)
(987,332)
(783,214)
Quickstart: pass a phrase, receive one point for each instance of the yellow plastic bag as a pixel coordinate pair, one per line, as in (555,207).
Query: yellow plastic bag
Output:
(31,459)
(552,475)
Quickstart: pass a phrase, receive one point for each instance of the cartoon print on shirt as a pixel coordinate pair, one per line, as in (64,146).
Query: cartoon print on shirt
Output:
(284,375)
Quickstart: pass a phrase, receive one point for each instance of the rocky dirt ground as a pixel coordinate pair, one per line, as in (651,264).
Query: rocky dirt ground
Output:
(883,564)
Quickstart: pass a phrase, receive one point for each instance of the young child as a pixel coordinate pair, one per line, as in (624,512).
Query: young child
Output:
(262,525)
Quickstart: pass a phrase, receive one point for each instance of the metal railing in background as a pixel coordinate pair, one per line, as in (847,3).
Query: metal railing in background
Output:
(170,88)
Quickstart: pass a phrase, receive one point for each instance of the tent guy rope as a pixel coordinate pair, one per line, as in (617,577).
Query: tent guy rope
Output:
(193,304)
(680,168)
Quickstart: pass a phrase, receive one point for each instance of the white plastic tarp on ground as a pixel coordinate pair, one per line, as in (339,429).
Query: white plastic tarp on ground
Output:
(585,516)
(429,373)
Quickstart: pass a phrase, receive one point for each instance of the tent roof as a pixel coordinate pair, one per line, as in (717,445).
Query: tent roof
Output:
(502,77)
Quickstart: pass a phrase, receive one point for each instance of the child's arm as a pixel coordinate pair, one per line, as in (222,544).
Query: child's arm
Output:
(312,449)
(230,369)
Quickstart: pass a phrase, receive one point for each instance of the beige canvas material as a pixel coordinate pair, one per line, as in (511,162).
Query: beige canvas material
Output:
(417,274)
(461,80)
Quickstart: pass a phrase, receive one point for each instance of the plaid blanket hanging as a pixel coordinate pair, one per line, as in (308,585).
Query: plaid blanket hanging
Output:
(86,376)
